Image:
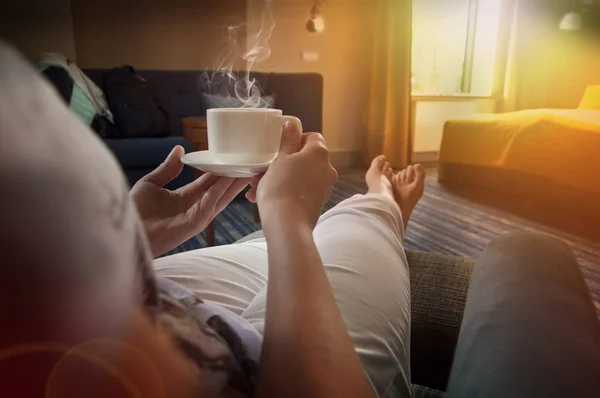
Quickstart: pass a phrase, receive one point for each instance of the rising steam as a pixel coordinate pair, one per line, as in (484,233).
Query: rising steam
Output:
(238,88)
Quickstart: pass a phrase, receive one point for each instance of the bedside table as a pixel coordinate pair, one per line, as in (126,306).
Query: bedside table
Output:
(194,131)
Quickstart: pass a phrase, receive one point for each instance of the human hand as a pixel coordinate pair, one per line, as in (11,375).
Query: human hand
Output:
(172,217)
(298,182)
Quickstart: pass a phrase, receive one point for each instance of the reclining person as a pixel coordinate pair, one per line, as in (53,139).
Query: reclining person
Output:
(318,308)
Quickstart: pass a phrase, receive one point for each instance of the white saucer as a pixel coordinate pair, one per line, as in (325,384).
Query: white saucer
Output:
(204,161)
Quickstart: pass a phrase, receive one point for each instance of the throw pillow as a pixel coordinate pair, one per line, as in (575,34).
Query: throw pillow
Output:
(591,98)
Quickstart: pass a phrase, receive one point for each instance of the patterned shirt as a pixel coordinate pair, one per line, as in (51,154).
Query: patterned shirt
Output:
(222,345)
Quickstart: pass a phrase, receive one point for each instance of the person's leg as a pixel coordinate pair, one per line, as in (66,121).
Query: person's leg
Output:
(360,242)
(529,329)
(230,275)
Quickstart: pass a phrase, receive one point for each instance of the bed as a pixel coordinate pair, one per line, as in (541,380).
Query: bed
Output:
(551,155)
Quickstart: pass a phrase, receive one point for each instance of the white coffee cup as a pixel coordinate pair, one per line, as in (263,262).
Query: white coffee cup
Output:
(246,135)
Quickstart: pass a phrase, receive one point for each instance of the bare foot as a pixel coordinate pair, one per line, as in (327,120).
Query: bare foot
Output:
(379,177)
(409,185)
(406,187)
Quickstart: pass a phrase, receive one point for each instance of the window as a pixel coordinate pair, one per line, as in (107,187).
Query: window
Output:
(454,46)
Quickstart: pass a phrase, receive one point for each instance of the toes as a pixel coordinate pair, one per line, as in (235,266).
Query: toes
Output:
(410,174)
(390,173)
(379,162)
(420,172)
(402,175)
(387,170)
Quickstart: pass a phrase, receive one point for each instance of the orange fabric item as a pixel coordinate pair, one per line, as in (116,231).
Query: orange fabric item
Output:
(563,145)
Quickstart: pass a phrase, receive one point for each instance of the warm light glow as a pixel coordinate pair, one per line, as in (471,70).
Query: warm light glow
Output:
(440,43)
(486,46)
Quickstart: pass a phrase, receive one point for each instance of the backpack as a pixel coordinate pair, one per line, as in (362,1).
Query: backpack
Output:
(135,110)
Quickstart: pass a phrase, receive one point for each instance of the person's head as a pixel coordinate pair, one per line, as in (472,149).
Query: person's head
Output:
(73,258)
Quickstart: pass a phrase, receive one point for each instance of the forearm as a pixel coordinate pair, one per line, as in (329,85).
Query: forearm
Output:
(307,351)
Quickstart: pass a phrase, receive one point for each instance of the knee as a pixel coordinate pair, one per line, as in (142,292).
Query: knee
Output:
(528,241)
(528,251)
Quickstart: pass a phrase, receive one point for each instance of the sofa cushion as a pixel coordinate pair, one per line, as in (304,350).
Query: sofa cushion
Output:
(439,285)
(591,98)
(144,152)
(417,391)
(183,105)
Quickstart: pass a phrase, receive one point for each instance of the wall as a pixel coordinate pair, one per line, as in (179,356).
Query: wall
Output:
(37,26)
(553,67)
(190,34)
(344,59)
(153,34)
(431,115)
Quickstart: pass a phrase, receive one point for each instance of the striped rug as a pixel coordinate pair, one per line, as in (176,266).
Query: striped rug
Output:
(443,222)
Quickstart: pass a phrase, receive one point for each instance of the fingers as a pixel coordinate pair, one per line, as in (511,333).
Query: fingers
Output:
(215,193)
(230,194)
(314,147)
(291,139)
(313,143)
(193,192)
(168,170)
(256,179)
(218,197)
(251,194)
(313,139)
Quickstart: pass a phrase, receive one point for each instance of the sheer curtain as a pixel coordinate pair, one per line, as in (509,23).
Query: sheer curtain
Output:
(389,110)
(510,84)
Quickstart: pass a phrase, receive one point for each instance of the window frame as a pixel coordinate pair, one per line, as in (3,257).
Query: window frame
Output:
(502,49)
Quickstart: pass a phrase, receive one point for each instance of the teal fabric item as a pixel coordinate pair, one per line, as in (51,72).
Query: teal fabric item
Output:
(82,106)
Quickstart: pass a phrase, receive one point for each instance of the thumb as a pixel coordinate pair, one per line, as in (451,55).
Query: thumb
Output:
(168,170)
(291,139)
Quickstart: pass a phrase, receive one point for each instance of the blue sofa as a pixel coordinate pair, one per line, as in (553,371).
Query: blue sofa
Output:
(180,94)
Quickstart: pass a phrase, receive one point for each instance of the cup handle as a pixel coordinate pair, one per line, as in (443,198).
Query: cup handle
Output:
(292,119)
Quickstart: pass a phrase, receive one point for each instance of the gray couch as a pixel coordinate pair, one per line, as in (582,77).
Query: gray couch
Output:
(439,285)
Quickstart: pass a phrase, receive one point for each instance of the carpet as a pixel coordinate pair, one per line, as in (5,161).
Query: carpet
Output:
(443,222)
